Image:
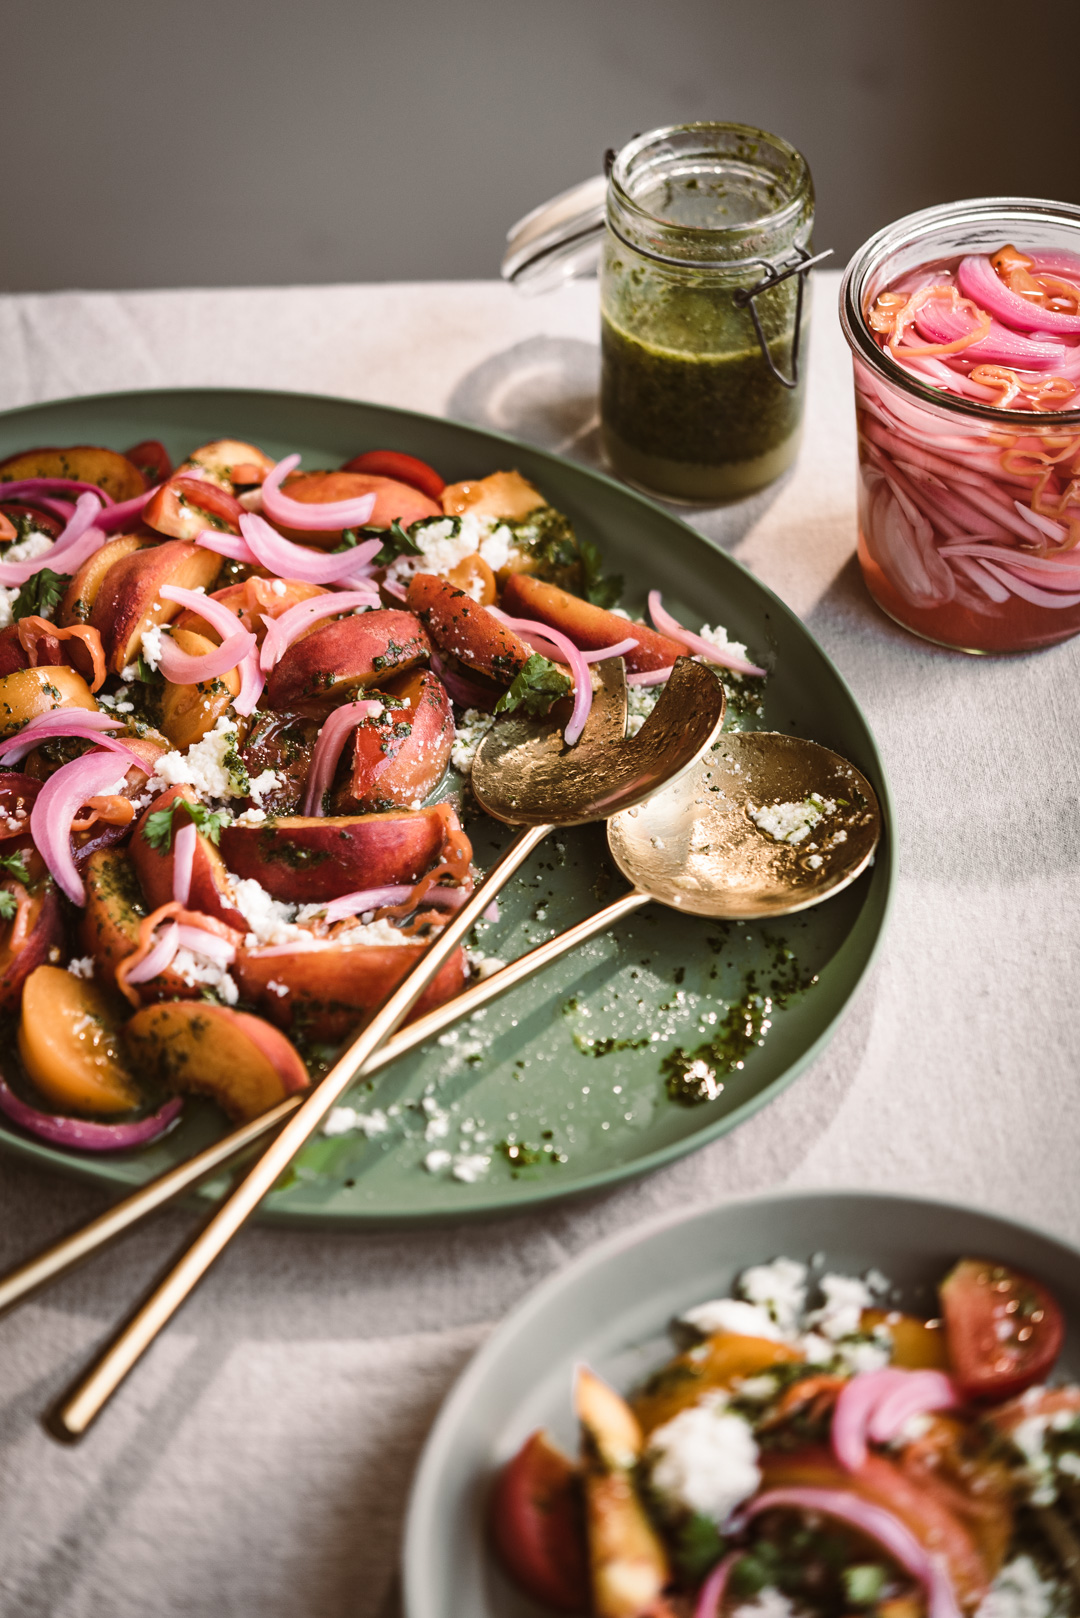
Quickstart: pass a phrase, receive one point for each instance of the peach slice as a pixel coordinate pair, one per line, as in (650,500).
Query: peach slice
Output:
(284,743)
(310,860)
(589,627)
(70,1046)
(86,463)
(109,924)
(329,988)
(459,625)
(189,711)
(394,501)
(128,601)
(81,593)
(503,494)
(243,1063)
(346,655)
(400,757)
(25,693)
(26,941)
(232,460)
(211,889)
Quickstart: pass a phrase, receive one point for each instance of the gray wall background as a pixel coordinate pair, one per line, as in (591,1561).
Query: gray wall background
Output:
(221,142)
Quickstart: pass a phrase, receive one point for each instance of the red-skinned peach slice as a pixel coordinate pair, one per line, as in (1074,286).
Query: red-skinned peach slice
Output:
(503,494)
(85,463)
(589,627)
(211,889)
(398,758)
(69,1044)
(109,924)
(189,711)
(538,1525)
(284,743)
(81,593)
(310,860)
(253,600)
(347,655)
(394,502)
(459,625)
(27,939)
(244,1064)
(25,693)
(330,987)
(129,599)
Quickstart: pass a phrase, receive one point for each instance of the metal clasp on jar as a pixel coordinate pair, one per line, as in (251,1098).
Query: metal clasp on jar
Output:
(774,274)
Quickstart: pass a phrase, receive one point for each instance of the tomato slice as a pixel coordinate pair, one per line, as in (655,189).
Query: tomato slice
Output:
(538,1526)
(44,520)
(391,463)
(1004,1330)
(152,459)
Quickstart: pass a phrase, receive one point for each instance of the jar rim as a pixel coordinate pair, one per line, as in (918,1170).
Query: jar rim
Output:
(908,230)
(775,219)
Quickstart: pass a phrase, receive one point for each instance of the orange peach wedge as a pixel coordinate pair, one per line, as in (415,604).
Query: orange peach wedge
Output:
(70,1046)
(243,1063)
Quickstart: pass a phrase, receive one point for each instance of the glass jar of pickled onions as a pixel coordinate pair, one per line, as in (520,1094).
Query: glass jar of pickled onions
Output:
(964,326)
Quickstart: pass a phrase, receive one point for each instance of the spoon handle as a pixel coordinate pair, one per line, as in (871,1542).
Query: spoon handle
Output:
(55,1261)
(85,1400)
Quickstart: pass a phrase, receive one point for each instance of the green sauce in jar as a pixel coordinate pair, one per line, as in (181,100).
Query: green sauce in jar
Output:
(689,405)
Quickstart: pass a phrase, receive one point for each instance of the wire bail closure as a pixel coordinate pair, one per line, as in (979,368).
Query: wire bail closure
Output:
(744,299)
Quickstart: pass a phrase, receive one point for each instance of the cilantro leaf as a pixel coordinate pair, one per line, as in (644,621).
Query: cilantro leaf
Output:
(158,830)
(40,594)
(539,684)
(602,590)
(395,541)
(8,905)
(14,865)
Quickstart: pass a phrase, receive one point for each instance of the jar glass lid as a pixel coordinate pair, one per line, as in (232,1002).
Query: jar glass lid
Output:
(558,241)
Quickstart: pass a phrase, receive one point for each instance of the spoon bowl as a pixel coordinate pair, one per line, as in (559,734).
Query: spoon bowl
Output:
(697,847)
(526,775)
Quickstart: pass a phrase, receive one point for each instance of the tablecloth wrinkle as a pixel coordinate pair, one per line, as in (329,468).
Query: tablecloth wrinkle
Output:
(257,1464)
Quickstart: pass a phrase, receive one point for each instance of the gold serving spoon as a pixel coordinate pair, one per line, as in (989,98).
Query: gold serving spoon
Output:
(792,885)
(523,774)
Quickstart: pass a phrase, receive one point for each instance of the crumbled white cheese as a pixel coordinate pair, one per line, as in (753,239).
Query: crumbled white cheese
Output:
(129,673)
(204,765)
(435,1161)
(344,1120)
(151,645)
(37,543)
(270,920)
(81,966)
(768,1603)
(779,1288)
(865,1354)
(845,1299)
(640,702)
(266,781)
(8,599)
(381,931)
(472,727)
(274,987)
(717,636)
(252,817)
(470,1167)
(815,861)
(1020,1591)
(791,822)
(705,1460)
(733,1315)
(442,548)
(278,586)
(758,1389)
(196,969)
(483,966)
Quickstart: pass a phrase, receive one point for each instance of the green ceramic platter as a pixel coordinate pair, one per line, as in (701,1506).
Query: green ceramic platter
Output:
(527,1072)
(612,1307)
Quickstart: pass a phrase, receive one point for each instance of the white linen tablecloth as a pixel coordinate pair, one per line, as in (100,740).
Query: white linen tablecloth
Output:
(257,1464)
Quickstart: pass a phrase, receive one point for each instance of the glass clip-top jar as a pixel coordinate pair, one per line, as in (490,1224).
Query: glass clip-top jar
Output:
(701,233)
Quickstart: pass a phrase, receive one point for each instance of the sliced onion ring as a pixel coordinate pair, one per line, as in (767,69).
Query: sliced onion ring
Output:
(355,904)
(291,561)
(158,957)
(83,1133)
(284,629)
(60,800)
(650,677)
(61,722)
(331,514)
(181,668)
(894,1536)
(667,625)
(711,1596)
(79,540)
(184,844)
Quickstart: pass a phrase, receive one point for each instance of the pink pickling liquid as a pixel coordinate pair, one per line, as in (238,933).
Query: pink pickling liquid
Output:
(969,525)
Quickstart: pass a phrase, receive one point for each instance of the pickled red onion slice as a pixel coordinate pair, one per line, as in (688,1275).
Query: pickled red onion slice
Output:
(331,514)
(221,618)
(60,800)
(532,631)
(942,323)
(354,904)
(979,281)
(620,649)
(876,1523)
(283,630)
(181,668)
(711,1596)
(252,684)
(79,540)
(328,748)
(183,861)
(158,958)
(82,1133)
(650,676)
(291,561)
(30,488)
(876,1404)
(667,625)
(118,516)
(77,722)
